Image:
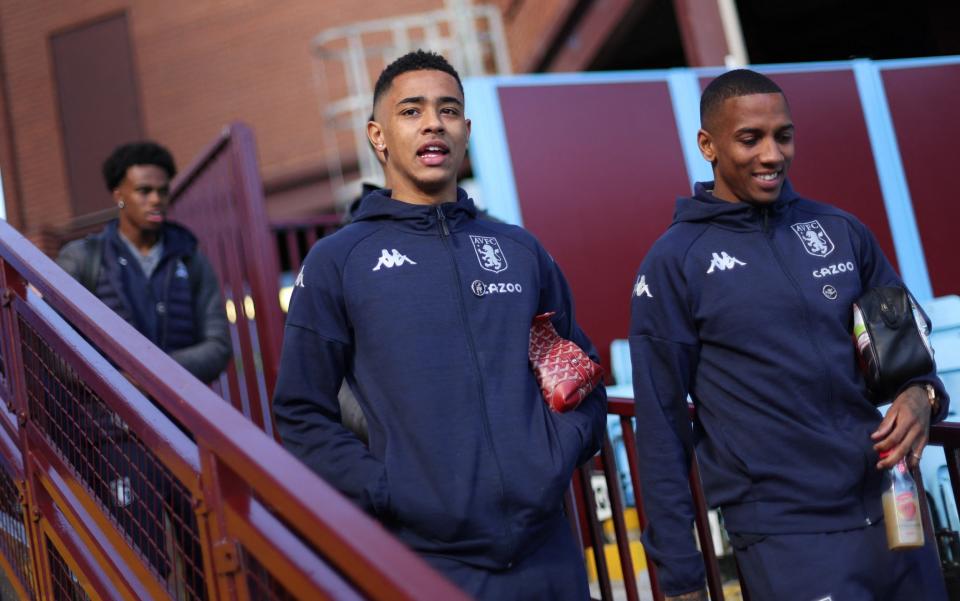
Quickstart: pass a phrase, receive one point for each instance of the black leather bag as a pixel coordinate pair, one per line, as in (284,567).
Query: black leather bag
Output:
(891,337)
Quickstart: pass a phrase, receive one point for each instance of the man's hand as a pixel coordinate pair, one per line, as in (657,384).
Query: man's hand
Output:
(700,595)
(905,428)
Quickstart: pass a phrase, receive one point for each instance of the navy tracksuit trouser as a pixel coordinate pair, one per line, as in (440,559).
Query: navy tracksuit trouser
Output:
(852,565)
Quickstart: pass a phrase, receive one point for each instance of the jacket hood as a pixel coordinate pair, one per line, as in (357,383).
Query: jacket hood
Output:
(703,206)
(378,205)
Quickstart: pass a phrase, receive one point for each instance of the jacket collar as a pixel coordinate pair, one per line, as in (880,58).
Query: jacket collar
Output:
(378,206)
(177,240)
(704,207)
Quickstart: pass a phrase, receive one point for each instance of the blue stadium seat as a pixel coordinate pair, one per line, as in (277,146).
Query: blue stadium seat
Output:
(944,313)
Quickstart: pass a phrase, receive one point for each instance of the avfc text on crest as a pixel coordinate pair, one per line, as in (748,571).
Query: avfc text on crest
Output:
(814,237)
(489,253)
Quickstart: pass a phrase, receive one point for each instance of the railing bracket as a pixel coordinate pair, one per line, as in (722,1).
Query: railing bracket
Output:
(226,556)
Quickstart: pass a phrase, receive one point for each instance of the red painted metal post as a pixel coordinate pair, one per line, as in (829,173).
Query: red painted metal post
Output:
(220,548)
(76,363)
(714,581)
(624,408)
(264,278)
(608,460)
(589,505)
(14,286)
(220,197)
(293,248)
(925,517)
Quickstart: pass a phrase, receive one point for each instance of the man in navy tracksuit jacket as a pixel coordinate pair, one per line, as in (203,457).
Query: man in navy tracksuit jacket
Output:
(745,305)
(427,311)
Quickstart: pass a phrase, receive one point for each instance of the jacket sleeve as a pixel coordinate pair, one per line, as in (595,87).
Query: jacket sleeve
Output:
(664,350)
(71,258)
(317,344)
(875,270)
(590,417)
(209,356)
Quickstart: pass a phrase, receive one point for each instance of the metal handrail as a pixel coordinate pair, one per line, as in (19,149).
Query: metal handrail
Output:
(250,496)
(946,435)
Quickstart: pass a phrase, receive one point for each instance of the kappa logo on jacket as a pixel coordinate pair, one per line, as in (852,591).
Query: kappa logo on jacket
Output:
(641,287)
(182,271)
(814,237)
(299,282)
(392,259)
(723,262)
(489,253)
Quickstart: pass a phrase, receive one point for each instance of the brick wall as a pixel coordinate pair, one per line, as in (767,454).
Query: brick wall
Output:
(531,26)
(199,66)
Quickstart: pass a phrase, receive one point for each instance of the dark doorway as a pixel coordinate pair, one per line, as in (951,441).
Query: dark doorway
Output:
(648,38)
(822,30)
(99,104)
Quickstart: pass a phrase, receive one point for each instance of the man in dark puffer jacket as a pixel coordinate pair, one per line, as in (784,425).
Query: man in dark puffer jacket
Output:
(151,273)
(173,298)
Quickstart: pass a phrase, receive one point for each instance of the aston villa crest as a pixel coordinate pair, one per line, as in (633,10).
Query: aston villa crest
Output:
(815,239)
(489,253)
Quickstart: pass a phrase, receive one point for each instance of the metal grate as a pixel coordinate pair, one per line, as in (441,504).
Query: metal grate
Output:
(349,57)
(150,507)
(261,583)
(14,543)
(66,585)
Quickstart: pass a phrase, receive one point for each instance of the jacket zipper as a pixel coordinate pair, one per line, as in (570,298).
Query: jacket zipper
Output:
(444,230)
(162,326)
(487,429)
(765,212)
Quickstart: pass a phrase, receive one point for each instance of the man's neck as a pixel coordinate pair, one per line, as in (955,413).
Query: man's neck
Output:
(142,240)
(418,196)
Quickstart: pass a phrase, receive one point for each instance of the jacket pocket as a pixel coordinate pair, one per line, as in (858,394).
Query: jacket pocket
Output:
(570,439)
(379,493)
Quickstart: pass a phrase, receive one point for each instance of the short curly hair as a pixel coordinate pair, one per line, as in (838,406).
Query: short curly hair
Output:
(136,153)
(418,60)
(733,84)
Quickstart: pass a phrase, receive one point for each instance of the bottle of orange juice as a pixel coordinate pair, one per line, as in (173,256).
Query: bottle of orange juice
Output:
(901,509)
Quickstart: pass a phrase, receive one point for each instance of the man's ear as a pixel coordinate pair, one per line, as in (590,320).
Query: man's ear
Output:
(705,143)
(377,142)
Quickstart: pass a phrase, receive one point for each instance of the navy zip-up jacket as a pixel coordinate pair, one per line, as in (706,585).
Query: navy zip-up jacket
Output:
(748,310)
(427,312)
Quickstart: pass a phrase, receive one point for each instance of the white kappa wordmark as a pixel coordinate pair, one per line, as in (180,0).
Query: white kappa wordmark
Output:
(642,288)
(723,261)
(392,259)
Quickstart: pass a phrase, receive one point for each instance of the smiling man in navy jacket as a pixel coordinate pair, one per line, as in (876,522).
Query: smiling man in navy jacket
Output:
(427,312)
(745,305)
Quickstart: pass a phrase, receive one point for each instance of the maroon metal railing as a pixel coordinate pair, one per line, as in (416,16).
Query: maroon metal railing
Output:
(220,198)
(294,239)
(946,435)
(607,462)
(122,476)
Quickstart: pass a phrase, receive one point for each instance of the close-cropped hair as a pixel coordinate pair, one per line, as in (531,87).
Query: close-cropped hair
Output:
(732,84)
(418,60)
(136,153)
